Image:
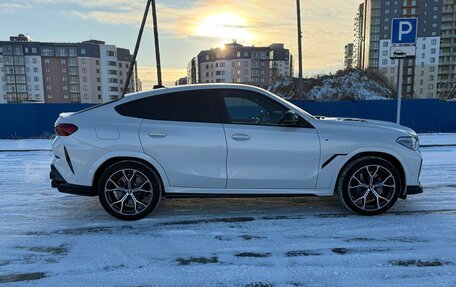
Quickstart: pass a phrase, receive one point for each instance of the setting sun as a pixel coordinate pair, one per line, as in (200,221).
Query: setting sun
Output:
(226,26)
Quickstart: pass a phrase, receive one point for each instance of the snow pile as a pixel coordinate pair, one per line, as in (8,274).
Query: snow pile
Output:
(346,85)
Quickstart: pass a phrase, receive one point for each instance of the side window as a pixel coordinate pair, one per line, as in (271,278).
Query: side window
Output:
(188,106)
(245,107)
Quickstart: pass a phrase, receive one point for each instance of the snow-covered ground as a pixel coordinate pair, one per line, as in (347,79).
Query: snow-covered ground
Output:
(55,239)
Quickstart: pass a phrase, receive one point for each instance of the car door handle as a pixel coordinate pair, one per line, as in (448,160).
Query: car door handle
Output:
(157,134)
(240,137)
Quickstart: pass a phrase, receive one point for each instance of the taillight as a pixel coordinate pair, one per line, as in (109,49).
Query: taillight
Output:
(65,129)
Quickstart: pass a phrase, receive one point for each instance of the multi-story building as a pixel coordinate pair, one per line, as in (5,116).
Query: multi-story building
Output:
(86,72)
(358,38)
(348,56)
(428,75)
(447,63)
(235,63)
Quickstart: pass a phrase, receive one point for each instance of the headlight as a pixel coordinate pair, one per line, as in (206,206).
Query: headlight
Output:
(411,142)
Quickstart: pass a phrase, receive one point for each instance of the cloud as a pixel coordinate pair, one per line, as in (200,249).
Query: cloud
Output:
(327,24)
(9,8)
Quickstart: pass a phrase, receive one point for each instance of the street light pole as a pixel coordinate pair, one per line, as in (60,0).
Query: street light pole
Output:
(300,81)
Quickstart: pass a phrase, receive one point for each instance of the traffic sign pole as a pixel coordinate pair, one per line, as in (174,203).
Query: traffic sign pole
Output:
(403,45)
(399,90)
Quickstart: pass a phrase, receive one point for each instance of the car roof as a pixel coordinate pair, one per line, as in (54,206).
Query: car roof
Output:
(192,87)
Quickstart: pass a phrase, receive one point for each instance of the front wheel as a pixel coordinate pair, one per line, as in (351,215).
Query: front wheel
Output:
(369,185)
(129,190)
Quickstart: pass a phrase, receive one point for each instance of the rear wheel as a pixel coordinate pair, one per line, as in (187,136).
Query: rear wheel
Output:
(369,185)
(129,190)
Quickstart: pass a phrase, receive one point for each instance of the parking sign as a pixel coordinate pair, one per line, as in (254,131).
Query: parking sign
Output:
(404,30)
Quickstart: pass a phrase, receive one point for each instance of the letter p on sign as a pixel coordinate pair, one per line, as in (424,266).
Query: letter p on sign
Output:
(403,31)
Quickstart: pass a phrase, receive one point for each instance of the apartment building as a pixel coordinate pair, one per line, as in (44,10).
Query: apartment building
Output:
(358,38)
(348,56)
(424,76)
(447,63)
(86,72)
(235,63)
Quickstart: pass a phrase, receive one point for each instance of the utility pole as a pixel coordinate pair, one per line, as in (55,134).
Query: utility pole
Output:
(300,81)
(138,42)
(157,45)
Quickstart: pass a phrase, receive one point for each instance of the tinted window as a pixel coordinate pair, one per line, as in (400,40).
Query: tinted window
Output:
(245,107)
(189,106)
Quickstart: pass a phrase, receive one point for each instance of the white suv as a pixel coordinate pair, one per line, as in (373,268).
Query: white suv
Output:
(228,140)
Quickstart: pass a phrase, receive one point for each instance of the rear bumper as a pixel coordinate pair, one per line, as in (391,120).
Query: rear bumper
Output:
(57,181)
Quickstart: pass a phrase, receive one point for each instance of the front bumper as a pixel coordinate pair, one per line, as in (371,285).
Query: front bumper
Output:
(57,181)
(414,189)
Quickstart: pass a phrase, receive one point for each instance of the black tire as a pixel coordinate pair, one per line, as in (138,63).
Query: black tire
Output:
(358,166)
(136,204)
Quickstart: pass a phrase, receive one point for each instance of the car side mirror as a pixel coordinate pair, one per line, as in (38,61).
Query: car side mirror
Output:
(290,118)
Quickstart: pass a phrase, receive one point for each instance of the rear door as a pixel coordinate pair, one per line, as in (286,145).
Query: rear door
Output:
(183,133)
(262,153)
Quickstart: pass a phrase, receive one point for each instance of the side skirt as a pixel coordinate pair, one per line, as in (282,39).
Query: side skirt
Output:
(182,192)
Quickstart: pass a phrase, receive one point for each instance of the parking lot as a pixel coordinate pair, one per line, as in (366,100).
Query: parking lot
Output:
(57,239)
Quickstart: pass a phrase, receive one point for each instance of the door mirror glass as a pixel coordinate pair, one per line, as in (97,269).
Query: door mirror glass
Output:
(290,119)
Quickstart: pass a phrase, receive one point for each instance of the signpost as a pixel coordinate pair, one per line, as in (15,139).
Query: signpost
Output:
(403,45)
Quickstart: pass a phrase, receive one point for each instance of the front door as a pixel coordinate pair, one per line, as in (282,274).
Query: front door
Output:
(262,153)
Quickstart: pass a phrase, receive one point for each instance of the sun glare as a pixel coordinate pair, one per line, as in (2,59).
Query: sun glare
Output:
(226,26)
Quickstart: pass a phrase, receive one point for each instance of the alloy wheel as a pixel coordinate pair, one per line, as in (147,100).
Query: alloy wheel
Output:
(128,191)
(371,187)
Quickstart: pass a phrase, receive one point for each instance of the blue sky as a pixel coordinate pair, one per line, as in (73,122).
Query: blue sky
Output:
(186,27)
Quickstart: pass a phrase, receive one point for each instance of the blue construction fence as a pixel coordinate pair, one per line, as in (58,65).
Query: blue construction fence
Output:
(424,116)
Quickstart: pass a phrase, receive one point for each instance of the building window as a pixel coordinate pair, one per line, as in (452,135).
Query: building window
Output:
(49,88)
(111,53)
(72,52)
(65,88)
(34,61)
(238,54)
(84,70)
(432,60)
(433,51)
(35,70)
(63,61)
(36,79)
(433,42)
(430,86)
(431,69)
(83,51)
